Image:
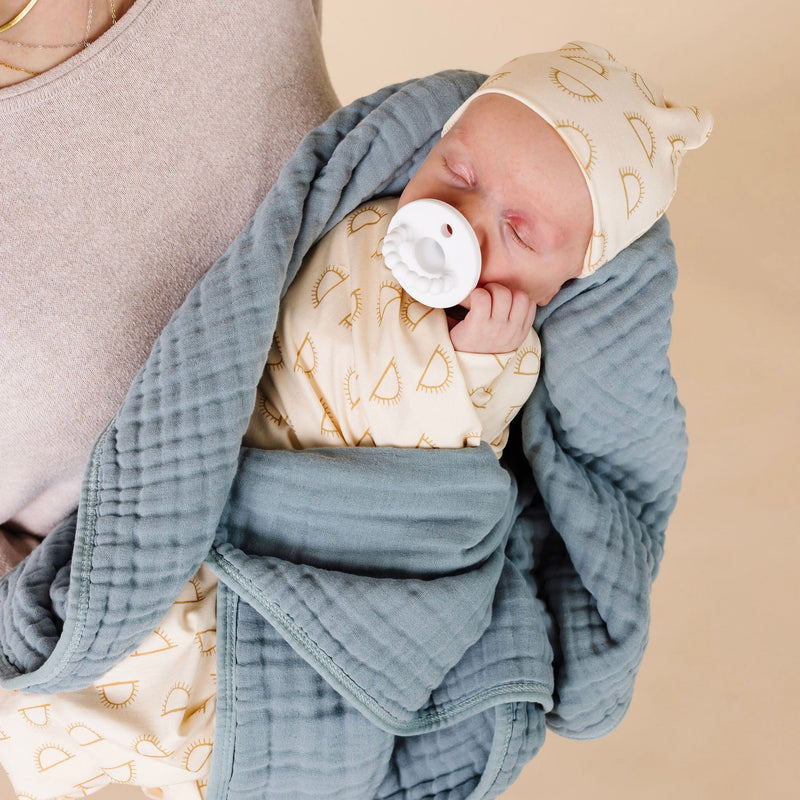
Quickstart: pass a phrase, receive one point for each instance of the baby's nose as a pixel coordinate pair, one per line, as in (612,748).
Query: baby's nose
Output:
(474,215)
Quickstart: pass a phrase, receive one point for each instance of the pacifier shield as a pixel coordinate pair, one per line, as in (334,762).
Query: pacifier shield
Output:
(433,252)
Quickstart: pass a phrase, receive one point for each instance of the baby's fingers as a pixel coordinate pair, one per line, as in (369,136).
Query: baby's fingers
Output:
(523,311)
(501,301)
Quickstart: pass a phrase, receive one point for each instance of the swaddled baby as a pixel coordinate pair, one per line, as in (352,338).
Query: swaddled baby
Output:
(558,162)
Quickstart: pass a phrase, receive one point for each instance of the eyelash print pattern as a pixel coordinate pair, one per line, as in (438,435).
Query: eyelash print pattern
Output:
(351,388)
(177,699)
(409,309)
(356,306)
(425,441)
(119,694)
(83,734)
(387,294)
(438,372)
(480,397)
(643,87)
(362,217)
(197,755)
(633,186)
(330,278)
(149,746)
(527,362)
(275,355)
(207,641)
(158,641)
(580,142)
(329,425)
(388,389)
(269,412)
(50,755)
(38,716)
(644,133)
(366,439)
(306,360)
(589,63)
(192,593)
(597,250)
(494,78)
(122,773)
(573,86)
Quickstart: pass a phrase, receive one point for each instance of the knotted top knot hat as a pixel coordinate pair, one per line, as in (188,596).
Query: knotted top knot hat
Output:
(627,138)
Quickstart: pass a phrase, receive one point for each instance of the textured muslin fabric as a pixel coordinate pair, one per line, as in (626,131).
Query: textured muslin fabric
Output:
(356,361)
(379,633)
(128,170)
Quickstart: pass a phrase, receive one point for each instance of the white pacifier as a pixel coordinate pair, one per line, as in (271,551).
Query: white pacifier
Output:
(433,252)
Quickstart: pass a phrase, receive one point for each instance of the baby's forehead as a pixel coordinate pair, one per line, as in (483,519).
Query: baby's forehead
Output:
(627,139)
(523,166)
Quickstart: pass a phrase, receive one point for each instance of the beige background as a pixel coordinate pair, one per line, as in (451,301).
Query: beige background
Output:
(715,713)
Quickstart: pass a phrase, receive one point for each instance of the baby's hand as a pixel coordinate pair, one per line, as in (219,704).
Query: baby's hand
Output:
(498,320)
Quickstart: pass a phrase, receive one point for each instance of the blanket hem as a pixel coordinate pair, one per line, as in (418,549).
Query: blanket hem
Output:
(518,691)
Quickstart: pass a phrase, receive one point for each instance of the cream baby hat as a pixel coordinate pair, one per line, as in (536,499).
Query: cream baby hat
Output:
(627,139)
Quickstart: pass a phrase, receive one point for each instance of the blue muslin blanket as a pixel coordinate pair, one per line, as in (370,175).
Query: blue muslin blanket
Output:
(391,623)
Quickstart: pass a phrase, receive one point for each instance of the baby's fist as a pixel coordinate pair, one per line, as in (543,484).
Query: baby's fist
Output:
(498,320)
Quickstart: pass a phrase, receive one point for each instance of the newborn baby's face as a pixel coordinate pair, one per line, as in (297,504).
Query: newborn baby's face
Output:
(511,175)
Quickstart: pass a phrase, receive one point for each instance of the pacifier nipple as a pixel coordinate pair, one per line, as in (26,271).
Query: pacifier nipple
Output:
(433,252)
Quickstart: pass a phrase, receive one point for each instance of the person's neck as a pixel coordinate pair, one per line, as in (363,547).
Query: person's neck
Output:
(50,32)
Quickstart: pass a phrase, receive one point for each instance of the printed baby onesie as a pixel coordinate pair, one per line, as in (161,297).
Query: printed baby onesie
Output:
(356,361)
(148,722)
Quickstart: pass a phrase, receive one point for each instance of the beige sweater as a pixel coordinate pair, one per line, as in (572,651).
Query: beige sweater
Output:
(126,171)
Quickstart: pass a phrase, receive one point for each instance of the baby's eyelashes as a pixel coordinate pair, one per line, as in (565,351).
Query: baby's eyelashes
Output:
(518,239)
(457,174)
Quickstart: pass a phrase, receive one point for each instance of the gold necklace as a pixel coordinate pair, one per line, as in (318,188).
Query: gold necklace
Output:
(18,69)
(14,20)
(84,43)
(70,45)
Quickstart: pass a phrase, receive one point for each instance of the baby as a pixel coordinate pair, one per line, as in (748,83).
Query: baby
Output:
(558,162)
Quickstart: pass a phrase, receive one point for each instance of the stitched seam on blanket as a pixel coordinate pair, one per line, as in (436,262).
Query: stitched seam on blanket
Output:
(524,691)
(222,764)
(56,664)
(89,501)
(509,728)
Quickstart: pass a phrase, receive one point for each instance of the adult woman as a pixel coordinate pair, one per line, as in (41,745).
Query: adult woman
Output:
(137,138)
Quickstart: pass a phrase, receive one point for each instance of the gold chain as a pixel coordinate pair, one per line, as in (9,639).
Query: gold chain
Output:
(84,43)
(14,20)
(18,69)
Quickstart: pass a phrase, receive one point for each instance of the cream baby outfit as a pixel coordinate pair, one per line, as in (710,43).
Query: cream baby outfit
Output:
(356,361)
(148,722)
